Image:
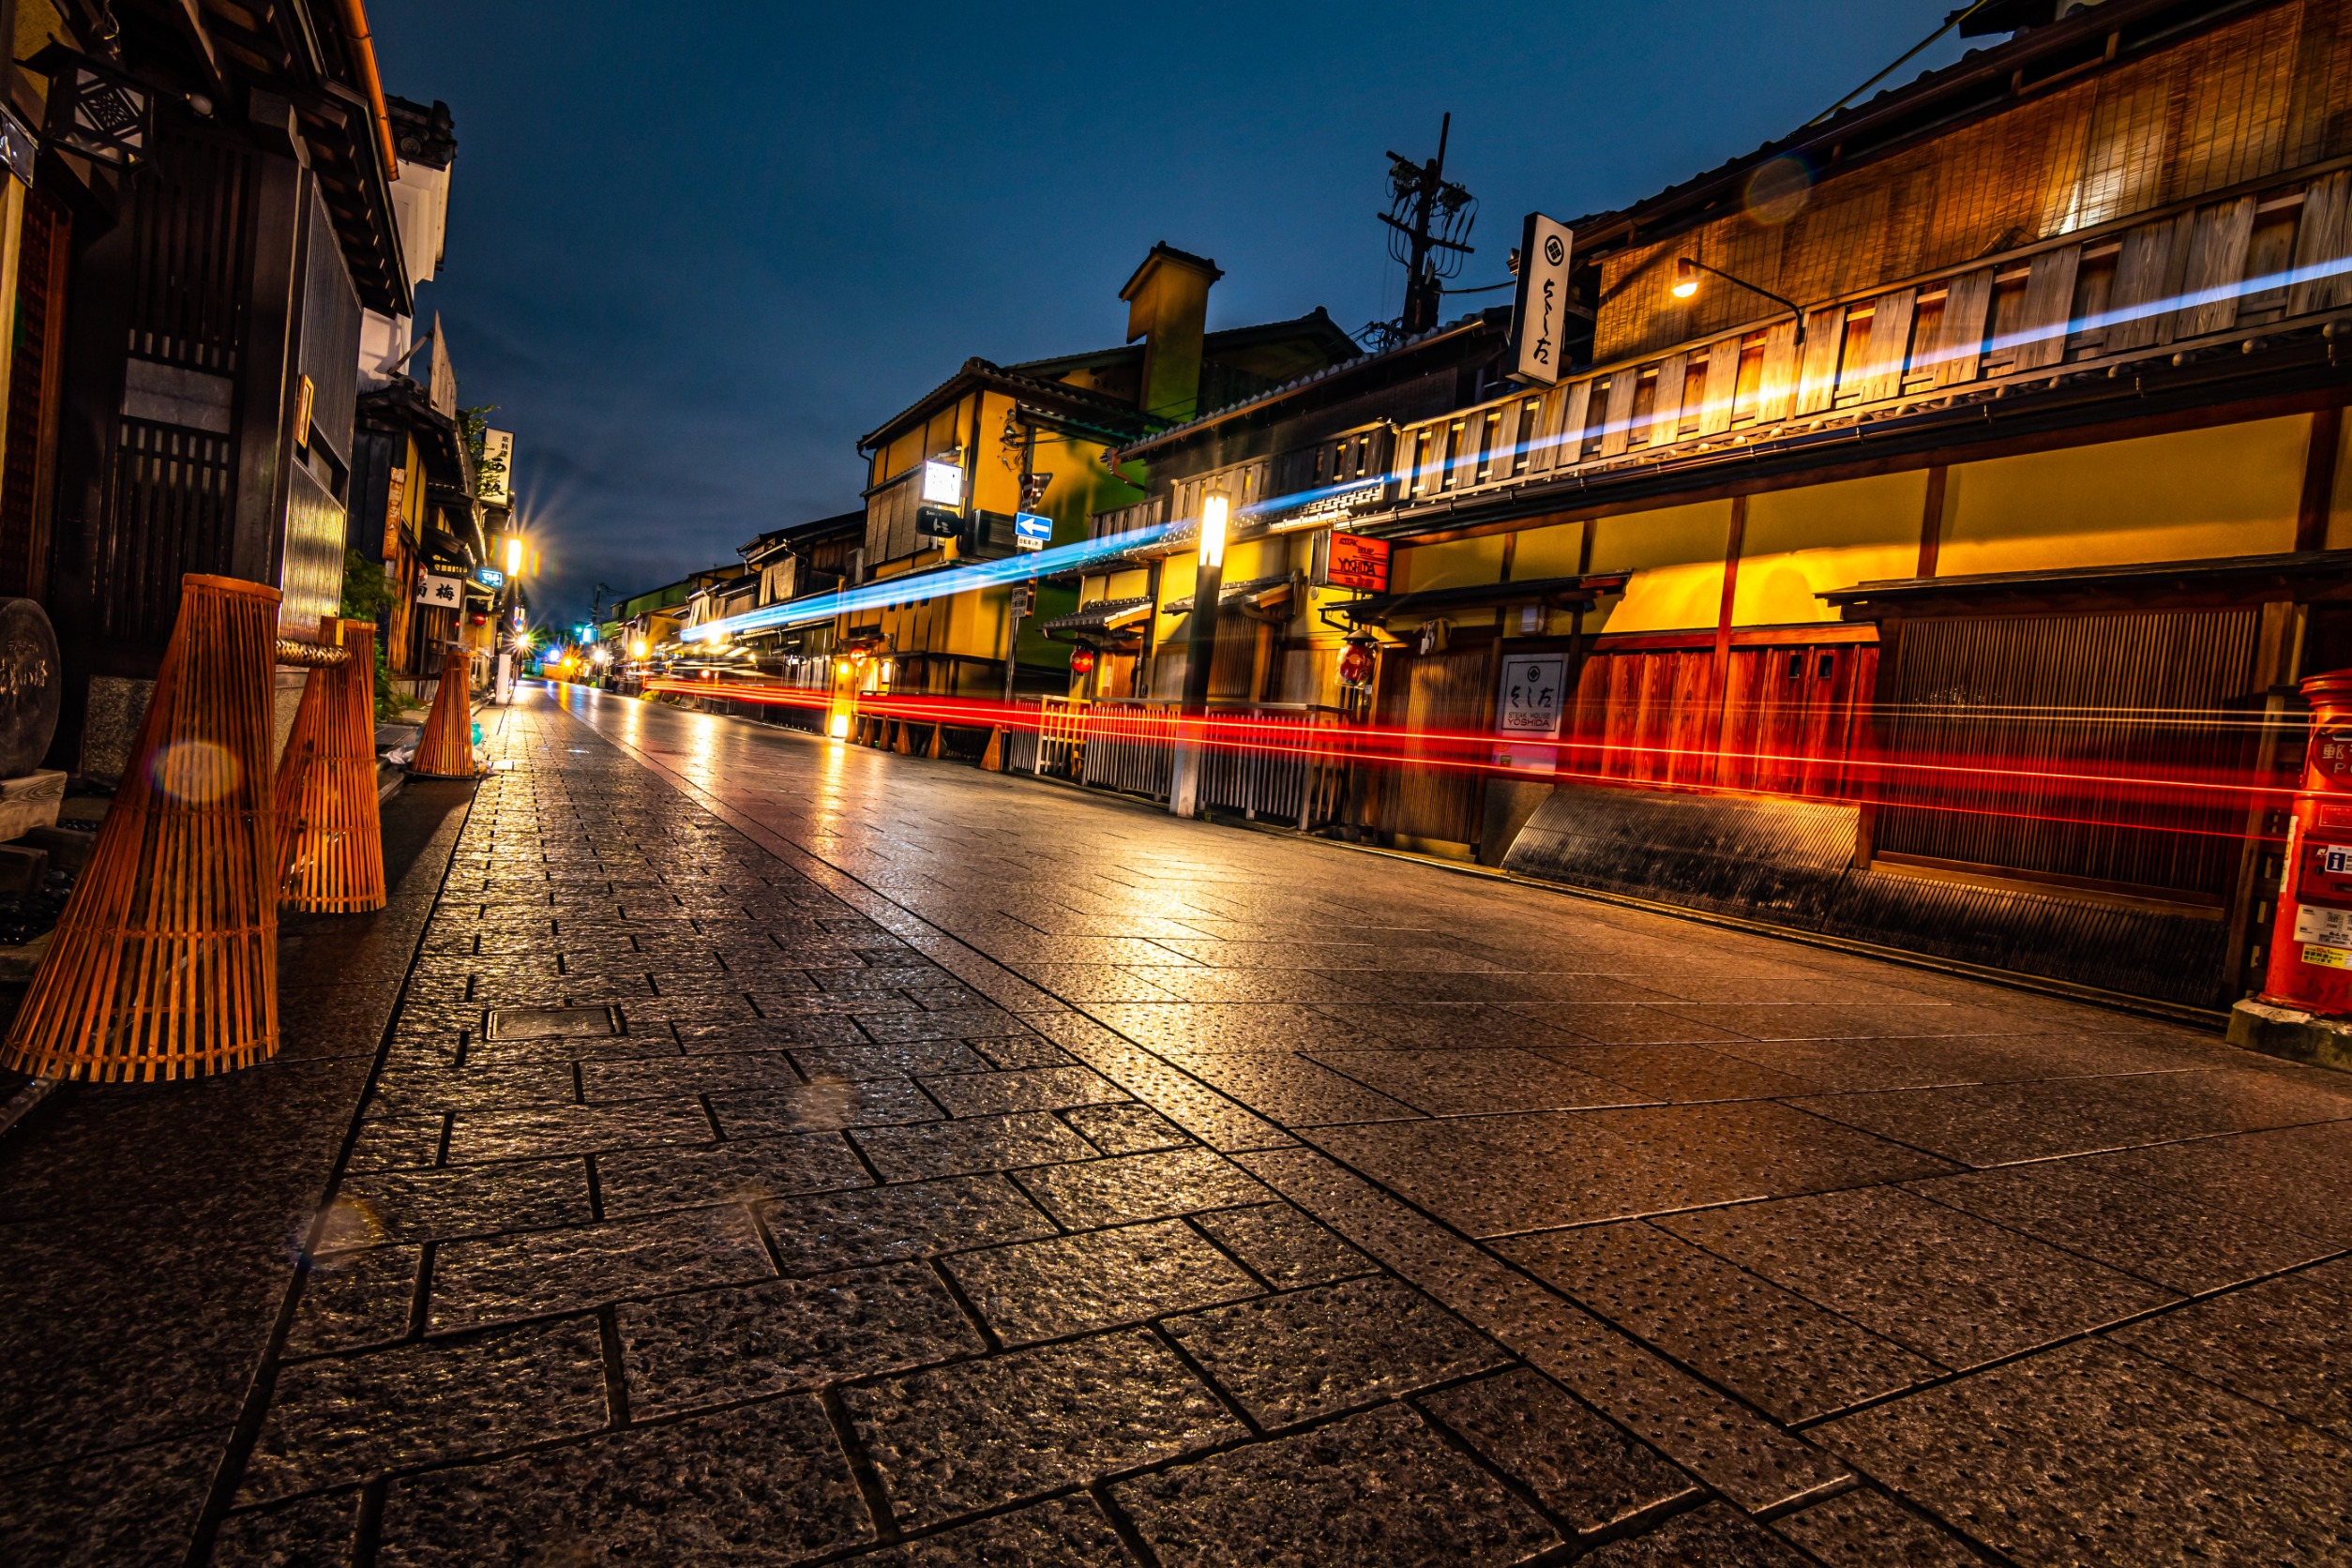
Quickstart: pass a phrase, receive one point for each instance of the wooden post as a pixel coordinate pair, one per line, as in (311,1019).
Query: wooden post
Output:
(1720,679)
(165,965)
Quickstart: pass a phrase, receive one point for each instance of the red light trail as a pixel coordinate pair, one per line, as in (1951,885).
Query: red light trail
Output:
(2175,794)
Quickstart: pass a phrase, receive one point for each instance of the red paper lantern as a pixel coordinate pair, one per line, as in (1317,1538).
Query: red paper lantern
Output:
(1082,661)
(1355,664)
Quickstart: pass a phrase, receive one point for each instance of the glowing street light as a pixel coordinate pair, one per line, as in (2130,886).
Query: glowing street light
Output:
(1214,512)
(514,555)
(1208,589)
(1685,284)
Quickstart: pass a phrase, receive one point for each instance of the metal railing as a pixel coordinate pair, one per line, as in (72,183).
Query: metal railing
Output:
(1270,762)
(1129,748)
(1061,736)
(1290,764)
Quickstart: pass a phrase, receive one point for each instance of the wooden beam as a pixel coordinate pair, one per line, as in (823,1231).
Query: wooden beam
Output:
(1930,520)
(192,23)
(2319,479)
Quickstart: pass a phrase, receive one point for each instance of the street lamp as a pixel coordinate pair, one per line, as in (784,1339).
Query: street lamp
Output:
(1200,642)
(514,555)
(1687,273)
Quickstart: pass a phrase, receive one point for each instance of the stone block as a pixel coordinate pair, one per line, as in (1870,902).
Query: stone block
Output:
(68,848)
(30,802)
(110,726)
(21,869)
(2296,1035)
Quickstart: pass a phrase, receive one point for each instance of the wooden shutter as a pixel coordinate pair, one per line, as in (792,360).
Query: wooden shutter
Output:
(2217,266)
(2049,306)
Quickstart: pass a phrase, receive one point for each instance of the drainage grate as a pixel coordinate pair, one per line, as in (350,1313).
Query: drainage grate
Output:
(551,1023)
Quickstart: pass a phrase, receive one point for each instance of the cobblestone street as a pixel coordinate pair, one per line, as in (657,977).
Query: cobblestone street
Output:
(786,1153)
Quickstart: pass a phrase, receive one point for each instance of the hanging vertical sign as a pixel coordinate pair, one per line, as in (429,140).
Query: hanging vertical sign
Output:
(18,148)
(498,452)
(1539,309)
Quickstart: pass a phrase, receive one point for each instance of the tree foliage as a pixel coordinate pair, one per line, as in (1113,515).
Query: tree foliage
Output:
(368,597)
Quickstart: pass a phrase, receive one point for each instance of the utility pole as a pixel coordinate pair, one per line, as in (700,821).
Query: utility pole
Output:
(1429,218)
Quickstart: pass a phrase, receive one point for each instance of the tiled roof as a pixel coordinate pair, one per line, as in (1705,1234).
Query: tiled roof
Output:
(1345,368)
(1102,615)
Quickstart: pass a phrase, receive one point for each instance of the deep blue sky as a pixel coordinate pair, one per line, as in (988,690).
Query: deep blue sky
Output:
(695,252)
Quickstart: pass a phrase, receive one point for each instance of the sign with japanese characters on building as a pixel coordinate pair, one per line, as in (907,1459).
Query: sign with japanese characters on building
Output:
(1534,688)
(440,593)
(1539,308)
(1353,560)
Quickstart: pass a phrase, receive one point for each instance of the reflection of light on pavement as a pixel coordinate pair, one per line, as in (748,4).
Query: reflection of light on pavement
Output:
(345,1223)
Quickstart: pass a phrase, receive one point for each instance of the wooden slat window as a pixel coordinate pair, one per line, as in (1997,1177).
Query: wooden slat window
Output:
(2069,728)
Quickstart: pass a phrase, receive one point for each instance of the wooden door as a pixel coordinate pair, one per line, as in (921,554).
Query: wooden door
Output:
(1431,706)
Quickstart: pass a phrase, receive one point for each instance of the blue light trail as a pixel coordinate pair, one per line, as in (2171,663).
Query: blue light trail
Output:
(908,589)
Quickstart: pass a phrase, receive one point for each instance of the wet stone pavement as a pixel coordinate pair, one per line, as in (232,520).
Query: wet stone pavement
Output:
(788,1154)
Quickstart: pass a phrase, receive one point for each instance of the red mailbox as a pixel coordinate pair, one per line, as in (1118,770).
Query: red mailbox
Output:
(2311,944)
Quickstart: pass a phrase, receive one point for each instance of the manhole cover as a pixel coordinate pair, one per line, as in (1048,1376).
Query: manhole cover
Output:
(551,1023)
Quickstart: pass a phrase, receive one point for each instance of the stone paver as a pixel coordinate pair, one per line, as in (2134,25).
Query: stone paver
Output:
(930,1169)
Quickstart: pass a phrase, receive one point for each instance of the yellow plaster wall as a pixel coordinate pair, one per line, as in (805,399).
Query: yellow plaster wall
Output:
(1462,563)
(1676,556)
(1555,551)
(996,470)
(1800,542)
(1254,558)
(2229,490)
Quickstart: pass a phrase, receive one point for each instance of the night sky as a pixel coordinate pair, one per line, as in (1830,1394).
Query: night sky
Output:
(696,251)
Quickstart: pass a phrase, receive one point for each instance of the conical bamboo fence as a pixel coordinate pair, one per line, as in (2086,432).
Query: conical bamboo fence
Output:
(447,750)
(165,964)
(330,855)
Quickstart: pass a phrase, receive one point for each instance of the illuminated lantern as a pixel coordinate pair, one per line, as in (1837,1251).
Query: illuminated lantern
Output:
(1082,661)
(1355,664)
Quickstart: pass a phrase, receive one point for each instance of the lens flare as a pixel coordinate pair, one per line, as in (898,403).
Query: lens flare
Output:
(197,772)
(1778,190)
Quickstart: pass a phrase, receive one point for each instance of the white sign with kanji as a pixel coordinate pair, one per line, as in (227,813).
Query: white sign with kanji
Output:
(440,593)
(1533,690)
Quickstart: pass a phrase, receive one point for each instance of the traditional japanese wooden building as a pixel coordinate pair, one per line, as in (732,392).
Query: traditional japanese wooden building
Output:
(1928,537)
(209,211)
(1033,438)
